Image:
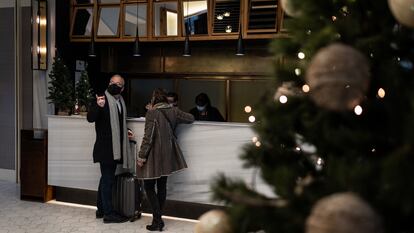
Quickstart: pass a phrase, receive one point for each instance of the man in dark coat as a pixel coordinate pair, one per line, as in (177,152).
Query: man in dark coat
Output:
(109,114)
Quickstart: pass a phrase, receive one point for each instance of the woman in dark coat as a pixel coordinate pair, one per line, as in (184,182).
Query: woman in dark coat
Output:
(159,155)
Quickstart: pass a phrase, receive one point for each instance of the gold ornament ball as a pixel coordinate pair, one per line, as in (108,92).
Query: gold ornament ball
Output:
(403,11)
(338,77)
(289,9)
(214,221)
(343,213)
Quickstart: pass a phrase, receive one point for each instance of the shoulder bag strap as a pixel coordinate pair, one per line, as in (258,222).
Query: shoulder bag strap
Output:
(169,122)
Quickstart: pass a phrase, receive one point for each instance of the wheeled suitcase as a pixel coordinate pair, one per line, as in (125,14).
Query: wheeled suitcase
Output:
(127,196)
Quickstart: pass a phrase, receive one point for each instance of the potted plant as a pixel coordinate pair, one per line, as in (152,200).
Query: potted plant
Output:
(84,94)
(61,87)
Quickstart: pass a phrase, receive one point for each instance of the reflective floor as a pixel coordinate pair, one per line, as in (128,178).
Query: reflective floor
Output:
(24,216)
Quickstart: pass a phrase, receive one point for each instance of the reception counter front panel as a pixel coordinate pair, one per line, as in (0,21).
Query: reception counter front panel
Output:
(210,148)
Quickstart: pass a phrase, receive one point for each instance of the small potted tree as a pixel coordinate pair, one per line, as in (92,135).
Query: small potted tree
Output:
(84,93)
(61,87)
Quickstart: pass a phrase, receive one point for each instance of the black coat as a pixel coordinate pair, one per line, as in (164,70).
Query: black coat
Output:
(213,114)
(102,150)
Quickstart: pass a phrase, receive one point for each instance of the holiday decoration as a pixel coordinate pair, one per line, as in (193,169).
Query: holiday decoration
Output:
(343,213)
(338,77)
(403,11)
(350,129)
(61,90)
(214,221)
(84,93)
(289,8)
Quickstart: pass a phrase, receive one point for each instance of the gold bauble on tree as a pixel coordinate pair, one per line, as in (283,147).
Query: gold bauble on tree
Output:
(289,9)
(338,77)
(403,11)
(343,213)
(214,221)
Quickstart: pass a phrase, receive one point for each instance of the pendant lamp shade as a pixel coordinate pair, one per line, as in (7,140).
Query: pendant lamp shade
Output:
(136,49)
(240,44)
(91,51)
(187,49)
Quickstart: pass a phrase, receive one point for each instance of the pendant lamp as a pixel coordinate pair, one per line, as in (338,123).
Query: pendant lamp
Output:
(91,51)
(136,50)
(187,49)
(240,45)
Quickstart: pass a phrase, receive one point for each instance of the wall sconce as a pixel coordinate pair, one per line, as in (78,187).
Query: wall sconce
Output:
(39,35)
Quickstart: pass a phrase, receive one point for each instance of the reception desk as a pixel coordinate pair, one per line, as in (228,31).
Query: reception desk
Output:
(210,148)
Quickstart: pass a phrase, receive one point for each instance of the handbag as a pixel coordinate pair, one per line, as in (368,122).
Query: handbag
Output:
(176,147)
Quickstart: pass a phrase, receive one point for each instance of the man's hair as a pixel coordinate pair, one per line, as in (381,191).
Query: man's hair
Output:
(118,76)
(173,95)
(159,96)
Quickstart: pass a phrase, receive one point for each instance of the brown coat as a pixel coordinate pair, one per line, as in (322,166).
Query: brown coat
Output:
(157,147)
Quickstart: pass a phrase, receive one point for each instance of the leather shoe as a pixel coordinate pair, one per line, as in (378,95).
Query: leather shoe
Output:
(156,225)
(99,214)
(112,218)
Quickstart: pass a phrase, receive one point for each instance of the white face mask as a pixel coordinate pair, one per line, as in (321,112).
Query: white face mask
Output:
(201,108)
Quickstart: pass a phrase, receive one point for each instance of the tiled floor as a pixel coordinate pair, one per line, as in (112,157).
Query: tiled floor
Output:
(23,216)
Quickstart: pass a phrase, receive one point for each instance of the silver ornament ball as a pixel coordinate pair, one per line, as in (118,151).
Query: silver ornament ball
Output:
(214,221)
(403,11)
(343,213)
(289,9)
(338,77)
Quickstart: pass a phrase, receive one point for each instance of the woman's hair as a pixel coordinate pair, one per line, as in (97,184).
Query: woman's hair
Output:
(159,96)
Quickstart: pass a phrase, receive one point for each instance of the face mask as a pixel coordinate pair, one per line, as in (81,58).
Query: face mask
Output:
(201,108)
(114,89)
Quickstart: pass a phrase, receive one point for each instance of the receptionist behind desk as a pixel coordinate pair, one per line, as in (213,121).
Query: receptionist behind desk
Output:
(204,111)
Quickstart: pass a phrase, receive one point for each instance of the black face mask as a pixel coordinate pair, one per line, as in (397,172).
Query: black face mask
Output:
(114,89)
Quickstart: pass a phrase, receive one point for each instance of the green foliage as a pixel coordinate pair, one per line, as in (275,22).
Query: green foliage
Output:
(84,93)
(61,90)
(371,154)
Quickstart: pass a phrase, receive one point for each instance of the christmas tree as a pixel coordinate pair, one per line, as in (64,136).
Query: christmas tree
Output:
(84,94)
(339,122)
(61,90)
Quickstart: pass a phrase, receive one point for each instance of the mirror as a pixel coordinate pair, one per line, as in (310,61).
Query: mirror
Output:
(195,17)
(108,1)
(165,19)
(82,25)
(131,17)
(108,21)
(84,1)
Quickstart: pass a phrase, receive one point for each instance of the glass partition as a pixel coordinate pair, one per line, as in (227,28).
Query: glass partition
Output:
(141,91)
(165,19)
(135,14)
(189,89)
(108,21)
(195,17)
(246,93)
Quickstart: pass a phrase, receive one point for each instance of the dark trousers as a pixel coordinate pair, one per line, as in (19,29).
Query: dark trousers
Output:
(156,199)
(104,196)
